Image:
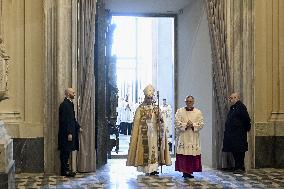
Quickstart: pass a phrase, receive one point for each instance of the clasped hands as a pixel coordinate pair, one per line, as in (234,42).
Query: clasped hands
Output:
(189,125)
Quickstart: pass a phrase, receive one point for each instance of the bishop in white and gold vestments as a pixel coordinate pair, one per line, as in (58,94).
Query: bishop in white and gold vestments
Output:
(143,150)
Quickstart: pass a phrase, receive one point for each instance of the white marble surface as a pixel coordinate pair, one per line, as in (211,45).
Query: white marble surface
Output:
(6,149)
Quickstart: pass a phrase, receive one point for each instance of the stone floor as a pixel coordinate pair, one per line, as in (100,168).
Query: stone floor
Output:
(116,175)
(123,146)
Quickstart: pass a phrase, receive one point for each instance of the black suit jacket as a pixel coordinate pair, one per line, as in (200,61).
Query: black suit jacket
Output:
(236,128)
(68,125)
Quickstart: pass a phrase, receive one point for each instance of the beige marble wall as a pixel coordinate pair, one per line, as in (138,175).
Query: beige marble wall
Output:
(23,37)
(269,67)
(269,83)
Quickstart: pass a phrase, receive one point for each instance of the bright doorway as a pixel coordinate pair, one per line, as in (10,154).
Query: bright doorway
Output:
(145,54)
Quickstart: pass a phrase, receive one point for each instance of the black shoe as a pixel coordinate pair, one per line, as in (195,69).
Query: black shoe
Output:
(186,175)
(69,174)
(228,169)
(239,171)
(154,173)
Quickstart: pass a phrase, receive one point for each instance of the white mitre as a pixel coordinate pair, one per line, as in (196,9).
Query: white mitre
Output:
(149,91)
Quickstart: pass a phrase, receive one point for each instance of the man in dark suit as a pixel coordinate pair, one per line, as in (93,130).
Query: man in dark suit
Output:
(235,136)
(68,139)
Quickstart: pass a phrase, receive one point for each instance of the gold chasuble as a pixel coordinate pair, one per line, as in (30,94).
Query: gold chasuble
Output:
(143,150)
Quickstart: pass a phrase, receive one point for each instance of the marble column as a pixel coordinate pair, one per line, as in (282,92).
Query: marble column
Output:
(100,72)
(240,47)
(60,69)
(231,25)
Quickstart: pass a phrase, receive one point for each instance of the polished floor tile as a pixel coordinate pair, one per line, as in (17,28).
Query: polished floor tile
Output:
(116,175)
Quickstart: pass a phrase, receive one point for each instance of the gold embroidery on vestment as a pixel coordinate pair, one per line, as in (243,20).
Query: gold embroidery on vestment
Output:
(146,114)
